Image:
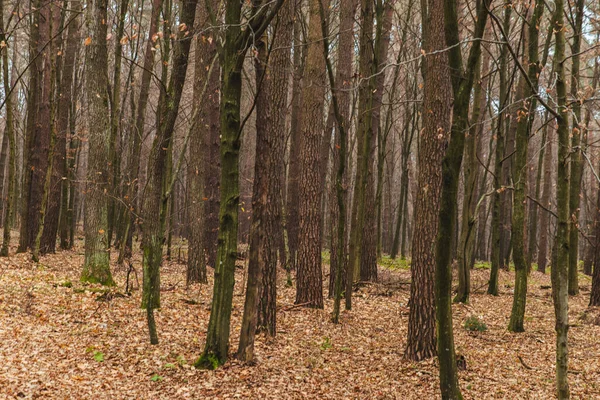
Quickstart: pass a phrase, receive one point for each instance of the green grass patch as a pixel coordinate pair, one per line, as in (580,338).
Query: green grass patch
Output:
(482,265)
(394,264)
(326,257)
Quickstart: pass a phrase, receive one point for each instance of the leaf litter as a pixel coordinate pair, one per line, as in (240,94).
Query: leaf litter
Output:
(61,339)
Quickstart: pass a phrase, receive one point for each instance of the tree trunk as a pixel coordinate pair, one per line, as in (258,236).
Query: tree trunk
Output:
(343,83)
(64,109)
(360,228)
(262,250)
(437,111)
(9,135)
(309,289)
(462,84)
(294,168)
(497,202)
(560,270)
(279,70)
(138,133)
(205,123)
(232,59)
(160,183)
(96,266)
(524,119)
(576,159)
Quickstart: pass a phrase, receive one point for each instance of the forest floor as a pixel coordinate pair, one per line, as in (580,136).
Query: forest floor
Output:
(58,341)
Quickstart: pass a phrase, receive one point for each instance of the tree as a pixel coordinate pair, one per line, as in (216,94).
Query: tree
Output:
(462,77)
(279,68)
(560,268)
(576,172)
(160,183)
(232,51)
(309,289)
(96,266)
(364,136)
(343,82)
(9,135)
(437,110)
(262,250)
(205,111)
(64,110)
(525,115)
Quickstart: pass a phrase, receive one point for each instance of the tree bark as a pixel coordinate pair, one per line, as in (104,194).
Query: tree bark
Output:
(560,269)
(309,289)
(437,112)
(96,266)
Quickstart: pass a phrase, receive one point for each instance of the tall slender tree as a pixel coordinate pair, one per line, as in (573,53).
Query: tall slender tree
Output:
(232,52)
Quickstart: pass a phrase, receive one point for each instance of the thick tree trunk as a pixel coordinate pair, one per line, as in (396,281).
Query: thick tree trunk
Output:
(437,112)
(309,289)
(205,124)
(279,71)
(96,266)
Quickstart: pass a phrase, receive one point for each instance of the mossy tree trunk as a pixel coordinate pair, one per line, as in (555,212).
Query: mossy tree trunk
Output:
(577,129)
(9,135)
(560,269)
(462,84)
(96,266)
(524,120)
(232,52)
(159,186)
(499,161)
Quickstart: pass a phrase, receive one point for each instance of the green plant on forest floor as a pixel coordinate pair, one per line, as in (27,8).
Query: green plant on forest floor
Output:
(474,324)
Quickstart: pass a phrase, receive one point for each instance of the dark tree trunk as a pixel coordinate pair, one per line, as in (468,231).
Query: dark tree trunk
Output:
(279,71)
(437,111)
